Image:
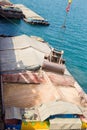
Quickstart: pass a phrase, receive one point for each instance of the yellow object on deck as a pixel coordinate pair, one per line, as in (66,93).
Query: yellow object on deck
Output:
(84,125)
(35,125)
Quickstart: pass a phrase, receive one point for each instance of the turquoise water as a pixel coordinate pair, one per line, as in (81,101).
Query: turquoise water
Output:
(73,40)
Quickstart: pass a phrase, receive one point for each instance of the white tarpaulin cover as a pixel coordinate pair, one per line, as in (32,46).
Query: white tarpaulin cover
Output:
(57,107)
(66,123)
(20,52)
(12,113)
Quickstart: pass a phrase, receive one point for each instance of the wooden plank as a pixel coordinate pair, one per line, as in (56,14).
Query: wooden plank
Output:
(31,17)
(28,12)
(1,105)
(1,98)
(23,95)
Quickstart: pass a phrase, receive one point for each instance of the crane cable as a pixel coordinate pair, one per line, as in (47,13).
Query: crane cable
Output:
(64,24)
(67,10)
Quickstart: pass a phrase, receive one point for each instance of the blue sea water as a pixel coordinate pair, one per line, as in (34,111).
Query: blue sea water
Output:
(73,40)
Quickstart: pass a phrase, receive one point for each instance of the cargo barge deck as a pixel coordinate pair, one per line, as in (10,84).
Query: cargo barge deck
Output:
(38,92)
